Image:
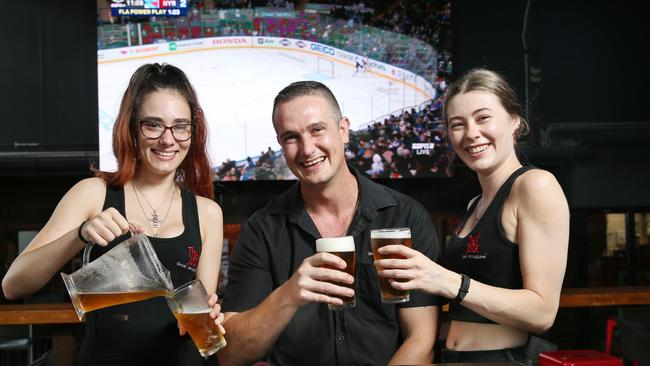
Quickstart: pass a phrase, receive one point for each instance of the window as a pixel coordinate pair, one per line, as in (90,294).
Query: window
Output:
(625,262)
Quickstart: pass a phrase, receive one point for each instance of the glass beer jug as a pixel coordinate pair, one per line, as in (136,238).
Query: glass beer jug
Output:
(129,272)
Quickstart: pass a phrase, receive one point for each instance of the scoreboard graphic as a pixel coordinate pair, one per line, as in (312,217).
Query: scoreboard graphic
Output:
(149,8)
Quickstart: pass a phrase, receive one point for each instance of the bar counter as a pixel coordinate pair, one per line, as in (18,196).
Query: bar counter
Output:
(571,297)
(38,314)
(63,318)
(604,296)
(64,344)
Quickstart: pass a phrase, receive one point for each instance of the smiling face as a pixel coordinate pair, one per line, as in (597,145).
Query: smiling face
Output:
(163,155)
(311,139)
(481,130)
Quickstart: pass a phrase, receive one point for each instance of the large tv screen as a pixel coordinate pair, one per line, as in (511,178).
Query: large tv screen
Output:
(387,82)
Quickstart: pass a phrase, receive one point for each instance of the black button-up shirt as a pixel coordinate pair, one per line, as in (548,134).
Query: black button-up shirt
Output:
(276,240)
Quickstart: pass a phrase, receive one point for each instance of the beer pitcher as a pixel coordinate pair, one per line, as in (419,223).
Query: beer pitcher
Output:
(129,272)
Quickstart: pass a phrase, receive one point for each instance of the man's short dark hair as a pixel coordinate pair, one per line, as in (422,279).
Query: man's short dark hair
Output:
(307,88)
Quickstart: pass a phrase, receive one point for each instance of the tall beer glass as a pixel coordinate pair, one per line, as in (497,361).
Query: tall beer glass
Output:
(390,236)
(343,248)
(190,307)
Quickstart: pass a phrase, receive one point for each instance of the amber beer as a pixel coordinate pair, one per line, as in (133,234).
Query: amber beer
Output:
(98,300)
(343,248)
(204,332)
(391,236)
(189,304)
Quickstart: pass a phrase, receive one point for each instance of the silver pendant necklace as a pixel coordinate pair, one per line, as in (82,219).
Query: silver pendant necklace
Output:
(155,222)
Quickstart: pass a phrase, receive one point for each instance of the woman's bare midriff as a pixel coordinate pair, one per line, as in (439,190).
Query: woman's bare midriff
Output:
(471,336)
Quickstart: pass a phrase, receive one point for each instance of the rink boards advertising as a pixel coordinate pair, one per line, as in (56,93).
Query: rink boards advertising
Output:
(149,7)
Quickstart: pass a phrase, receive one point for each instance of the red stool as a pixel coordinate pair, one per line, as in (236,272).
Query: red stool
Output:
(581,357)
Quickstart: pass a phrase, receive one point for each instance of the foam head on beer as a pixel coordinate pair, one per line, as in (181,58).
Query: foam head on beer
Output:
(333,245)
(343,248)
(396,233)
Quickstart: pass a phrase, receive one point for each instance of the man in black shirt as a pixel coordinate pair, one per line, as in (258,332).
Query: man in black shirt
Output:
(276,301)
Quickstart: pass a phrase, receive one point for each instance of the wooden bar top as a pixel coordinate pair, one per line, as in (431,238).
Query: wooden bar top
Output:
(38,314)
(571,297)
(604,296)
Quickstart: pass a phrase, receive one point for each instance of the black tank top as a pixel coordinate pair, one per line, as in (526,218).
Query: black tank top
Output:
(485,254)
(146,332)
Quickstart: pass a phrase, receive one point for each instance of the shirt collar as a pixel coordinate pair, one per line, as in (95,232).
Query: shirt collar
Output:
(373,197)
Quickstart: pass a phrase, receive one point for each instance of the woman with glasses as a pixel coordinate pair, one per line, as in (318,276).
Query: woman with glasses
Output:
(506,260)
(162,187)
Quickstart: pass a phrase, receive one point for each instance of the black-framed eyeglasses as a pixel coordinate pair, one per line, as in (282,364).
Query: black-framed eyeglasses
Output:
(154,130)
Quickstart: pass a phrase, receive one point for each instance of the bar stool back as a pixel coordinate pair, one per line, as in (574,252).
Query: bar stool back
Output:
(635,342)
(15,345)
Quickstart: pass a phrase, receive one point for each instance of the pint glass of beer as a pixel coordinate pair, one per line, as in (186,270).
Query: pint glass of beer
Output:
(190,307)
(343,248)
(390,236)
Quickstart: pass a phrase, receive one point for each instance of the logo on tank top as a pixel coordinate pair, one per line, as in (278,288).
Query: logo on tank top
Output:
(192,259)
(473,247)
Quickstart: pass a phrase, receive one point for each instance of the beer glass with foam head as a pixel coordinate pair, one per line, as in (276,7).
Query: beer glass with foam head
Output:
(343,248)
(390,236)
(190,307)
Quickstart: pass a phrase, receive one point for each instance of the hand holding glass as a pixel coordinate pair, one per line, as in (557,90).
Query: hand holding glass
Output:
(190,307)
(343,248)
(390,236)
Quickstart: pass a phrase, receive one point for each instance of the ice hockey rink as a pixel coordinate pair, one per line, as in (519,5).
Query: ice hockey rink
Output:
(236,87)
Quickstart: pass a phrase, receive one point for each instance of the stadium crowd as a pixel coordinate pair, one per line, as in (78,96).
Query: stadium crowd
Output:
(429,21)
(410,144)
